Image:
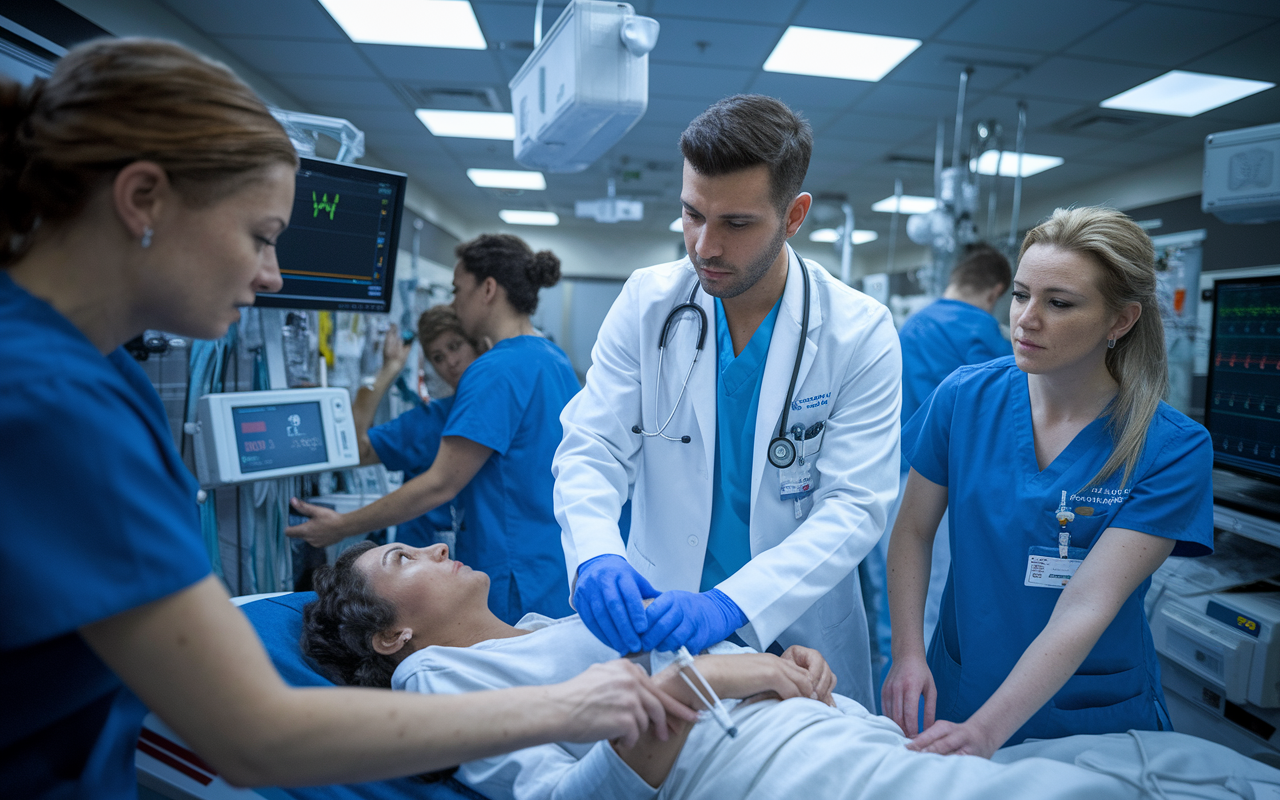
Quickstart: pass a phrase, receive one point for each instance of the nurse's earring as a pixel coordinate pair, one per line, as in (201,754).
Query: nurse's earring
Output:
(147,233)
(1111,344)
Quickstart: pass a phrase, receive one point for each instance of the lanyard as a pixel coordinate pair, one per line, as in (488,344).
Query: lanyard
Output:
(1064,516)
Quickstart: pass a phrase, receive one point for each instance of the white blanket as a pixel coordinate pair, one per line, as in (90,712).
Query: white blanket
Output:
(804,748)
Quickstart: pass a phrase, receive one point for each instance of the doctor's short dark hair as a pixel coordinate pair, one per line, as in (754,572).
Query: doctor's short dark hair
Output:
(338,628)
(983,267)
(513,264)
(746,130)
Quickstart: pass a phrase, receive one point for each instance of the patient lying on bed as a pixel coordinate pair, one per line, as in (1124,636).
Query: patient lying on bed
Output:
(415,620)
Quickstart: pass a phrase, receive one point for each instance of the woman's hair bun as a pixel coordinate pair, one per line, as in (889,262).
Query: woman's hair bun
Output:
(544,269)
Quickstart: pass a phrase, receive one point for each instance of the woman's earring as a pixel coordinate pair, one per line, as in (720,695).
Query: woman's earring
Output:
(147,233)
(1111,344)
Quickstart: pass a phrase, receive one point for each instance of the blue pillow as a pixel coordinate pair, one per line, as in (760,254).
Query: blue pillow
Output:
(278,621)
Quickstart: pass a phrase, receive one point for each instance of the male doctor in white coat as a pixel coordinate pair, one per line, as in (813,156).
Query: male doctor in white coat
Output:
(727,541)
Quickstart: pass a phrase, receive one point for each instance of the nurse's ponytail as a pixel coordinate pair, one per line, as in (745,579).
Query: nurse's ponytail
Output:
(1137,362)
(111,102)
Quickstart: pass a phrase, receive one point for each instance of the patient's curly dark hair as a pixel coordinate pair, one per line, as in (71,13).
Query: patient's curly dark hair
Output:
(338,628)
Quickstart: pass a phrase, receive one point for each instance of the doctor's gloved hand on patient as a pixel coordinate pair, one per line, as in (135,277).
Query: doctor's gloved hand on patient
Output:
(695,620)
(609,597)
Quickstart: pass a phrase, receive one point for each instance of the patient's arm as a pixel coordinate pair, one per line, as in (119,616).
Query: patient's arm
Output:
(736,676)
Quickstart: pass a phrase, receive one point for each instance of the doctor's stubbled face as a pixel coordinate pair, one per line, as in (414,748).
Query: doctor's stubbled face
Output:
(732,229)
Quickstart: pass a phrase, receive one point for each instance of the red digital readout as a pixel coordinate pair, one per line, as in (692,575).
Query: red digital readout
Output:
(253,427)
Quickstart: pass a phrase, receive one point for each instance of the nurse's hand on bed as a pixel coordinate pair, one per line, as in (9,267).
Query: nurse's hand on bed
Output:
(951,738)
(320,530)
(609,597)
(908,681)
(820,674)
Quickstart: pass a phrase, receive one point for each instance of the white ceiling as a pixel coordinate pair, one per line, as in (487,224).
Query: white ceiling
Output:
(1062,58)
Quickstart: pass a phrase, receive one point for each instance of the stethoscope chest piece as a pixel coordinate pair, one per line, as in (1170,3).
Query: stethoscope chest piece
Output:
(781,452)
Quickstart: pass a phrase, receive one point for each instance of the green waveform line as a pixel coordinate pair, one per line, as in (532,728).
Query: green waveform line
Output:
(323,204)
(1241,312)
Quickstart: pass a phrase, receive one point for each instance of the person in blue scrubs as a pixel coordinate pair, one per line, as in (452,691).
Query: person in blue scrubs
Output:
(952,331)
(409,442)
(143,186)
(498,440)
(1068,482)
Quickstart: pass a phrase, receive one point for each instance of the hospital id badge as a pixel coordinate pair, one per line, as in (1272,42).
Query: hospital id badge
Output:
(1047,569)
(796,481)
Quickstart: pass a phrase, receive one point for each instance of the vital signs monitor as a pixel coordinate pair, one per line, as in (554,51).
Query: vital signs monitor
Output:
(249,436)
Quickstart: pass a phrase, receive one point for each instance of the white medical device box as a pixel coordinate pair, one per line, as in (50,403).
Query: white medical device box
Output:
(583,87)
(1242,175)
(251,436)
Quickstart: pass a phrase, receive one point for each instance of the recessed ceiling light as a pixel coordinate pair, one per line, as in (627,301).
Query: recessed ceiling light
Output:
(1032,164)
(838,54)
(1185,94)
(911,204)
(513,216)
(419,23)
(468,124)
(831,235)
(507,179)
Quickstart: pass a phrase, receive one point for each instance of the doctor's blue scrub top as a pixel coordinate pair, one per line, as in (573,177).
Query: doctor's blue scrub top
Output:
(737,399)
(939,339)
(99,516)
(510,400)
(409,443)
(974,436)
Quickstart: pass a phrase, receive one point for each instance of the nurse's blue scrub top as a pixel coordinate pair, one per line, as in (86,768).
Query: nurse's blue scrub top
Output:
(510,400)
(737,399)
(974,436)
(409,443)
(99,516)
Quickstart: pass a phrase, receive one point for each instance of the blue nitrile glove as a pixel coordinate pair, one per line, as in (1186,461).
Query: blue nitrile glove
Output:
(695,620)
(610,599)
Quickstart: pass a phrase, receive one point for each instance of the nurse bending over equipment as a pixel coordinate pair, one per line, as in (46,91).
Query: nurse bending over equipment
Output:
(425,621)
(1068,482)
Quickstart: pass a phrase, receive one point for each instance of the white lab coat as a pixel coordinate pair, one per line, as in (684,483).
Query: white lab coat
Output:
(801,585)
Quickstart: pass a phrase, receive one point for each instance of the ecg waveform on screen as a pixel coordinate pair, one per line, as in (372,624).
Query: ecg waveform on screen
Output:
(324,205)
(1243,409)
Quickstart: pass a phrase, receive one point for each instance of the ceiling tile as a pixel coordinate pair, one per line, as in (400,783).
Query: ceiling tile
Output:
(399,121)
(1004,108)
(703,83)
(776,12)
(504,22)
(910,101)
(940,64)
(359,93)
(724,44)
(1130,154)
(302,19)
(917,20)
(1259,109)
(811,94)
(860,126)
(306,59)
(1080,79)
(673,111)
(1262,8)
(1254,57)
(1046,27)
(433,64)
(1186,133)
(1165,36)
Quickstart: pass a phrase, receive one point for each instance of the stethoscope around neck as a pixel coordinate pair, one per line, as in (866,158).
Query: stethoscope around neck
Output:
(782,451)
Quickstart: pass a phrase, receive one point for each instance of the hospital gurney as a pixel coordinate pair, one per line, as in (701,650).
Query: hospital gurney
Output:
(168,769)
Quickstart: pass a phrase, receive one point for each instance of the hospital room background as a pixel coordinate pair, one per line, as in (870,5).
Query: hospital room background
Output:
(975,119)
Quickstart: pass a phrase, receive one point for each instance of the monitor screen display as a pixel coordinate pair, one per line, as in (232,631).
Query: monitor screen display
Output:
(1242,406)
(278,436)
(339,252)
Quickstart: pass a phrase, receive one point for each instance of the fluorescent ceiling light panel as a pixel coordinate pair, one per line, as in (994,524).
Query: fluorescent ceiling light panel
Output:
(677,226)
(418,23)
(507,179)
(911,204)
(838,54)
(1185,94)
(1032,164)
(468,124)
(517,217)
(831,235)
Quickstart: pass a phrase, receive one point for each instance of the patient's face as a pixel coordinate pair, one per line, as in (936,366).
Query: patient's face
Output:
(423,583)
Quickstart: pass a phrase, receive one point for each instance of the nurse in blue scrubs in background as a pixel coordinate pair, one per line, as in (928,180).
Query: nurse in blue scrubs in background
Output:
(498,441)
(1068,482)
(143,186)
(409,442)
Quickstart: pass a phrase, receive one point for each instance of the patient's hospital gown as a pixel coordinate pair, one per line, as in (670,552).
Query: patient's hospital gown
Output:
(800,745)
